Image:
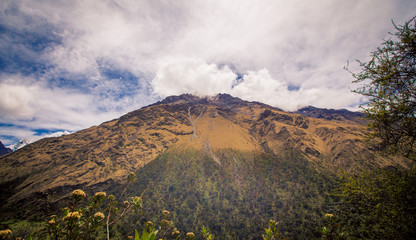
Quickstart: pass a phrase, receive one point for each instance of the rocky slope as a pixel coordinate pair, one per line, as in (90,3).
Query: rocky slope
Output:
(99,158)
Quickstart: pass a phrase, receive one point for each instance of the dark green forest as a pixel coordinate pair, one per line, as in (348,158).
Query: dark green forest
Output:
(236,198)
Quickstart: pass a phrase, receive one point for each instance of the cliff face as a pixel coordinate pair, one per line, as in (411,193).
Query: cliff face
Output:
(99,158)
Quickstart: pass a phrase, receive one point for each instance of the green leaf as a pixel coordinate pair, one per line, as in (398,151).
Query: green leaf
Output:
(136,236)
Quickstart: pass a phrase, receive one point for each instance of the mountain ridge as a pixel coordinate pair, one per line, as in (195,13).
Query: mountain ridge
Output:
(333,114)
(99,157)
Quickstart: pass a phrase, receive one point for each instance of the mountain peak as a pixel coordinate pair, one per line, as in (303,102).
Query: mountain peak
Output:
(221,97)
(4,150)
(179,98)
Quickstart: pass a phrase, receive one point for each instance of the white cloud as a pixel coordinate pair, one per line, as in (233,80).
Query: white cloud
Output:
(188,75)
(21,133)
(260,86)
(38,106)
(173,47)
(15,101)
(178,76)
(299,42)
(15,131)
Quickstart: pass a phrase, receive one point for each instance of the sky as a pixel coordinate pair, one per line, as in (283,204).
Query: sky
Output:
(69,65)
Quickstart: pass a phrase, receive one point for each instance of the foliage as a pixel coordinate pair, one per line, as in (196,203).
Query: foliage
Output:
(234,198)
(79,221)
(389,82)
(379,204)
(168,231)
(382,204)
(112,209)
(206,233)
(332,229)
(21,229)
(272,233)
(88,222)
(148,233)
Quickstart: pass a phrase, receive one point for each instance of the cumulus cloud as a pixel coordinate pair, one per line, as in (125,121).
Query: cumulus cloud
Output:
(38,106)
(197,77)
(189,75)
(15,101)
(69,65)
(260,86)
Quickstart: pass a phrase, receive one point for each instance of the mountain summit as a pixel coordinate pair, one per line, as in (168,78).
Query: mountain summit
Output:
(98,158)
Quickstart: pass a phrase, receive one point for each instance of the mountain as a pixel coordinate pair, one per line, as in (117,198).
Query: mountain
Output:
(20,144)
(4,150)
(23,142)
(218,160)
(341,115)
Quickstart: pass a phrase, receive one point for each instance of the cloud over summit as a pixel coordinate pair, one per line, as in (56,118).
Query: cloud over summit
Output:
(83,62)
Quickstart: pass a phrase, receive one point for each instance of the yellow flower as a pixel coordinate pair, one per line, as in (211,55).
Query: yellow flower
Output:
(131,177)
(328,215)
(137,202)
(5,233)
(78,194)
(165,222)
(99,215)
(165,212)
(149,223)
(52,221)
(100,194)
(175,232)
(72,215)
(190,235)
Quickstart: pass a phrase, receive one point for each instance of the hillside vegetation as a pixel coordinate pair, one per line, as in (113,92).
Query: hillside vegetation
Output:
(237,197)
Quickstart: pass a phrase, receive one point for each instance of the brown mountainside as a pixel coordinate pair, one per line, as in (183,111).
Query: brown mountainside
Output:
(100,157)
